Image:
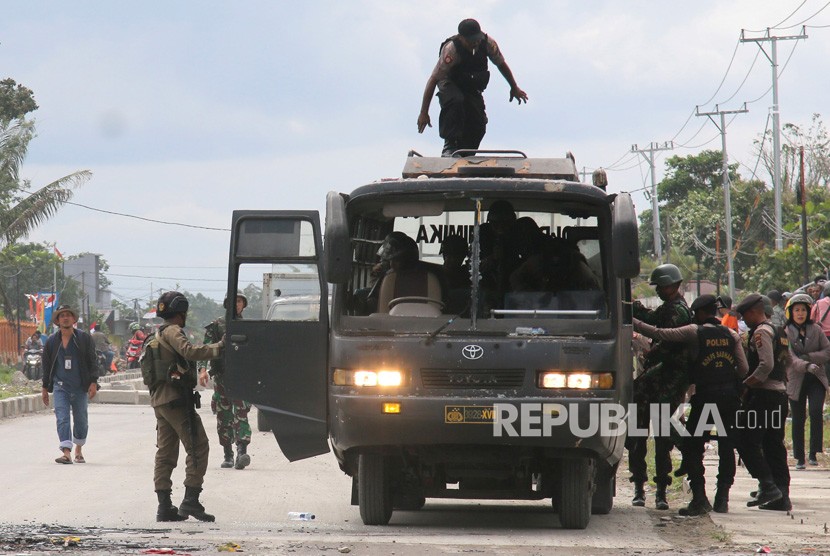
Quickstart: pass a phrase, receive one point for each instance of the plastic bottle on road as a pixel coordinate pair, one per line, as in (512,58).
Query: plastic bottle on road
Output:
(301,516)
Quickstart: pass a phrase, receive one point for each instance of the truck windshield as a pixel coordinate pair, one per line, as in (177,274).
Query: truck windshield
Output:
(541,268)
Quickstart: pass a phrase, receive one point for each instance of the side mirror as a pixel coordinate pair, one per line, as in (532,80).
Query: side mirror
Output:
(337,247)
(626,245)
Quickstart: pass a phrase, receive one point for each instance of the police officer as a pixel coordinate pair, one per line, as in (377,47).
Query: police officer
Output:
(231,415)
(665,380)
(762,436)
(461,76)
(174,403)
(719,363)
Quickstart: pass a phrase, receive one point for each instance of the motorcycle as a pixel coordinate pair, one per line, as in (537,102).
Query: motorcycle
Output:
(32,364)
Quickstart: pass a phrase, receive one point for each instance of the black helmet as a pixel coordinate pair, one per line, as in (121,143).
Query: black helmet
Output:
(238,294)
(398,247)
(665,275)
(171,303)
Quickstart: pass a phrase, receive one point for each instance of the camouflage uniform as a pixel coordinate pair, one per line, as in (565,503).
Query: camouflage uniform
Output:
(665,380)
(231,415)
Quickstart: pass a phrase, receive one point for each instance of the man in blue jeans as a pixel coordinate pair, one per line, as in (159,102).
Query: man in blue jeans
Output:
(70,372)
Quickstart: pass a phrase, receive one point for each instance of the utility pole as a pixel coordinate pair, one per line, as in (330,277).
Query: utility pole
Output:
(776,123)
(803,196)
(727,197)
(648,154)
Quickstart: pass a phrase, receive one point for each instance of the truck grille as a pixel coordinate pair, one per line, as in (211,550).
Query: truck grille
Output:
(479,378)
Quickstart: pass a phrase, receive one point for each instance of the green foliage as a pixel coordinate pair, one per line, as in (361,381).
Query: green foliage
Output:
(201,312)
(15,100)
(685,174)
(34,265)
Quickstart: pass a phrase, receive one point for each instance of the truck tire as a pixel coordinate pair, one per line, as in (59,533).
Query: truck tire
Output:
(606,487)
(262,424)
(374,490)
(577,482)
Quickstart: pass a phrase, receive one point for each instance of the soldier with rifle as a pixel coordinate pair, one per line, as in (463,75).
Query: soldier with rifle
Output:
(174,403)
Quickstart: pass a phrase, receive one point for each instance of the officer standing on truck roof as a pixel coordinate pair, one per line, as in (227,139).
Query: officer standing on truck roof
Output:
(719,364)
(174,403)
(665,380)
(231,415)
(461,76)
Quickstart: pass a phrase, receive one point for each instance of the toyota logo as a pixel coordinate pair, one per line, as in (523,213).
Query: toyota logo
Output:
(472,352)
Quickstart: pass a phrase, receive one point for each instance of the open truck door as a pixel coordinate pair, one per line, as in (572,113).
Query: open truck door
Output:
(277,359)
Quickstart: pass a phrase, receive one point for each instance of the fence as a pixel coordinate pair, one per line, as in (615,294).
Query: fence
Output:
(9,345)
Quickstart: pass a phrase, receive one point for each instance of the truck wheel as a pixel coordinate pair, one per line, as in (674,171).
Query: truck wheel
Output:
(374,490)
(262,424)
(577,480)
(606,483)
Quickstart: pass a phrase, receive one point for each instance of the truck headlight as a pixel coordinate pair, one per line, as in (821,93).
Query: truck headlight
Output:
(385,378)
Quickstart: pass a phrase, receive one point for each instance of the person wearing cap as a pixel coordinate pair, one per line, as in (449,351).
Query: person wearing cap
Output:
(665,380)
(806,378)
(174,403)
(778,318)
(70,373)
(820,309)
(718,365)
(764,413)
(726,313)
(231,415)
(461,76)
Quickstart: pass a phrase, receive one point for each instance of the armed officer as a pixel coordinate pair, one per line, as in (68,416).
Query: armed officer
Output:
(174,403)
(231,415)
(762,441)
(719,363)
(665,380)
(461,76)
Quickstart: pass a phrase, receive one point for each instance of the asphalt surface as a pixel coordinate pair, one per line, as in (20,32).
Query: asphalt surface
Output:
(107,506)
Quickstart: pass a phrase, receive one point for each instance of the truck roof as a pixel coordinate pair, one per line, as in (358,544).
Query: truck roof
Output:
(487,164)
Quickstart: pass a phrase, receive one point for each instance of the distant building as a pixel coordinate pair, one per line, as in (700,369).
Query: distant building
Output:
(85,271)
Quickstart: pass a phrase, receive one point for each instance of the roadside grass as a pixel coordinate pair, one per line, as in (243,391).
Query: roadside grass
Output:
(823,459)
(9,390)
(722,535)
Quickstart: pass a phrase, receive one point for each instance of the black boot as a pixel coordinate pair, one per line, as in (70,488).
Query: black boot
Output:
(699,505)
(639,495)
(191,506)
(681,469)
(660,501)
(167,511)
(243,460)
(767,492)
(228,463)
(721,504)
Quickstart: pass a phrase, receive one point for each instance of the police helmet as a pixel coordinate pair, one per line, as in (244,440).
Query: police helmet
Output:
(238,295)
(398,247)
(804,298)
(135,326)
(170,304)
(665,275)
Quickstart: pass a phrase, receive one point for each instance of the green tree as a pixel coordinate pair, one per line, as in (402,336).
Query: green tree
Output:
(23,206)
(201,312)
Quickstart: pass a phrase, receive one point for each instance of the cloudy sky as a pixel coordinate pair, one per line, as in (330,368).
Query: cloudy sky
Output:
(187,110)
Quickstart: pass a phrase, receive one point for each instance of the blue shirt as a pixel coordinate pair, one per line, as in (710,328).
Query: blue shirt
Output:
(70,378)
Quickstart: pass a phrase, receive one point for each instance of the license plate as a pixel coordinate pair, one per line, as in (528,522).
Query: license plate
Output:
(469,414)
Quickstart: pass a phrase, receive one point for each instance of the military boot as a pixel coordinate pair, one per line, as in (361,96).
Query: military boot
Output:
(228,463)
(699,504)
(167,511)
(243,460)
(191,506)
(660,501)
(767,492)
(721,504)
(639,495)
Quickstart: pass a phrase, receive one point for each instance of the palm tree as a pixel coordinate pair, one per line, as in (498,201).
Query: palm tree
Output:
(22,208)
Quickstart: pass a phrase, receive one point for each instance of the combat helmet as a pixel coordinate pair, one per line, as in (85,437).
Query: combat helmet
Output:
(134,326)
(238,294)
(665,275)
(171,303)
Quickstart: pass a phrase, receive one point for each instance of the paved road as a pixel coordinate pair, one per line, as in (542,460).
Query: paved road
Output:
(110,504)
